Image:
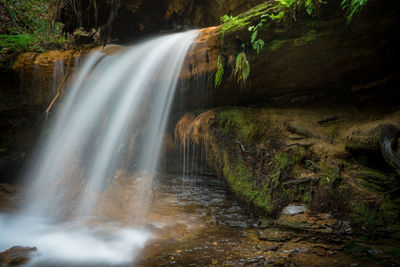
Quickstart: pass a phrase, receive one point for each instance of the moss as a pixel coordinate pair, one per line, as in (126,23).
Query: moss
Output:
(243,185)
(237,123)
(375,180)
(306,199)
(329,173)
(364,216)
(274,45)
(246,131)
(377,219)
(306,39)
(374,174)
(232,24)
(282,164)
(333,131)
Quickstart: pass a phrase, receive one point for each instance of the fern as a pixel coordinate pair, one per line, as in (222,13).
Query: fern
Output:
(15,42)
(242,67)
(353,7)
(258,45)
(310,7)
(219,73)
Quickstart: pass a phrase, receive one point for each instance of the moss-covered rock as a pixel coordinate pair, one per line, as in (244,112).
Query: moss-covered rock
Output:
(269,163)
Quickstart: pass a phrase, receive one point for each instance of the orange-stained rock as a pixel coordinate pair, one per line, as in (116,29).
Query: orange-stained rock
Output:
(16,255)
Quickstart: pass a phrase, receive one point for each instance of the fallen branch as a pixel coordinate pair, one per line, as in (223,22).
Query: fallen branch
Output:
(306,145)
(241,145)
(60,89)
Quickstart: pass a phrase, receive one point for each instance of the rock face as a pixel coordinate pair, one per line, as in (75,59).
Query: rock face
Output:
(129,18)
(311,59)
(25,92)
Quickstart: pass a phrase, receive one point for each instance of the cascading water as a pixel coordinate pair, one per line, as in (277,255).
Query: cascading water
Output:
(112,119)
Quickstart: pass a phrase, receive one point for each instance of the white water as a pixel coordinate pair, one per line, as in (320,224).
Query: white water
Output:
(112,118)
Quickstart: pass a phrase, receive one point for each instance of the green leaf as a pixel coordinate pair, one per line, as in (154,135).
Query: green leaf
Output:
(242,67)
(254,36)
(219,73)
(258,45)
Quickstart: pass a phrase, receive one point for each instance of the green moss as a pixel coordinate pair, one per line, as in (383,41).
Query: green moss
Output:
(232,24)
(246,130)
(306,39)
(237,123)
(274,45)
(374,174)
(333,132)
(364,216)
(243,185)
(282,164)
(306,197)
(384,217)
(329,173)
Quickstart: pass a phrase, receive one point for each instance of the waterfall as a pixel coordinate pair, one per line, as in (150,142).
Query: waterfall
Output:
(112,118)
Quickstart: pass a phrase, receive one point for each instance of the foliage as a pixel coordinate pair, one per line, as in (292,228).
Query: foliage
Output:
(27,26)
(242,67)
(219,73)
(229,23)
(353,7)
(257,44)
(16,42)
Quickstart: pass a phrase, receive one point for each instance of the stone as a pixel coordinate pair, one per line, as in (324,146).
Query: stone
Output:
(294,209)
(17,255)
(7,188)
(274,235)
(236,224)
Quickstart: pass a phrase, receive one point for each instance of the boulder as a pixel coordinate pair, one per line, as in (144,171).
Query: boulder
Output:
(17,255)
(294,209)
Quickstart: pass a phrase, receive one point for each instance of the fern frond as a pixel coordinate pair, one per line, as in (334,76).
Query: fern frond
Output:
(219,73)
(242,67)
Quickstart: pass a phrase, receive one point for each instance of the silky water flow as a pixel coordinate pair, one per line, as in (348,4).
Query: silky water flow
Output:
(111,120)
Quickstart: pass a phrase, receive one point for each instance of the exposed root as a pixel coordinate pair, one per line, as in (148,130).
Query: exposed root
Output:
(60,88)
(387,140)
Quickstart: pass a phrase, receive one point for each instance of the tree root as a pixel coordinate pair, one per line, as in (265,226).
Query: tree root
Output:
(60,88)
(387,141)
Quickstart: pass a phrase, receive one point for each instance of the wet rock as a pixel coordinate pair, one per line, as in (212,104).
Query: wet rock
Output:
(16,255)
(294,209)
(274,235)
(236,224)
(264,223)
(7,188)
(257,261)
(234,209)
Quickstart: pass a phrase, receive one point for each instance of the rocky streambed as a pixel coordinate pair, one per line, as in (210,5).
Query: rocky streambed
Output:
(196,221)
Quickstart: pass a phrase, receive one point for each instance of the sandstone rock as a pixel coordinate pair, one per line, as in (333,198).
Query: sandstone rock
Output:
(274,235)
(16,255)
(7,188)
